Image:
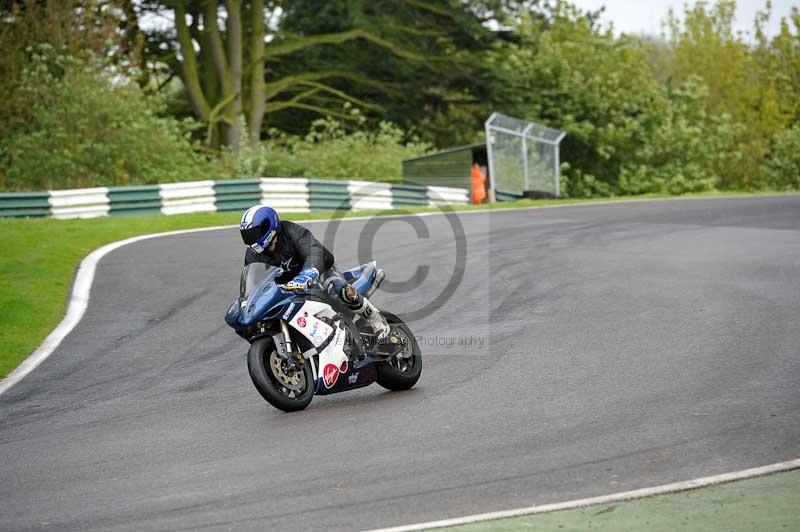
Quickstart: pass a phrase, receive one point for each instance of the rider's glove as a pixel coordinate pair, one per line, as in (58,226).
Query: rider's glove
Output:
(303,279)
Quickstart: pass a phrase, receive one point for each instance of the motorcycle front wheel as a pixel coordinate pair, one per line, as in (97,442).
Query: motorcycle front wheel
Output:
(285,389)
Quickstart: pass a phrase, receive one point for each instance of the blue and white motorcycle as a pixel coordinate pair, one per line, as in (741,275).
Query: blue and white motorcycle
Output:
(307,343)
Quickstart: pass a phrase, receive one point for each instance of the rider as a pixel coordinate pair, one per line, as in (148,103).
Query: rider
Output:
(303,258)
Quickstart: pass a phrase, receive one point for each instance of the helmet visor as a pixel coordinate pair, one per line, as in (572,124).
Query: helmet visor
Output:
(263,242)
(251,235)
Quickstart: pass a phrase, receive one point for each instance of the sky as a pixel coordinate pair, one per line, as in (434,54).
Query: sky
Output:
(643,16)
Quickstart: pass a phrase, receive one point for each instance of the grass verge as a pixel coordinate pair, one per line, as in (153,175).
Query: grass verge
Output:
(764,503)
(40,256)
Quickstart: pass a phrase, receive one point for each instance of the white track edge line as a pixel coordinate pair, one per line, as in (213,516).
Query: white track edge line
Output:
(79,301)
(82,285)
(603,499)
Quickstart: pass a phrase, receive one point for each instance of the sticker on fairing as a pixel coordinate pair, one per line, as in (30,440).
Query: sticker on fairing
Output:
(310,326)
(288,311)
(330,374)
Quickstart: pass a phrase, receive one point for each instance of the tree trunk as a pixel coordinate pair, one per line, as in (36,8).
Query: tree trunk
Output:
(190,78)
(233,133)
(216,46)
(257,88)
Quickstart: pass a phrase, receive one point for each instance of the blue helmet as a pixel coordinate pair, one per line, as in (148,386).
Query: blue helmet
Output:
(259,226)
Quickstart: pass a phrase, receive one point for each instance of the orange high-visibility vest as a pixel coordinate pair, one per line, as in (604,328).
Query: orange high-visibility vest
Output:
(478,184)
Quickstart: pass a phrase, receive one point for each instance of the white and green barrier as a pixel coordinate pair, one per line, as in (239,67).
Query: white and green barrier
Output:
(285,194)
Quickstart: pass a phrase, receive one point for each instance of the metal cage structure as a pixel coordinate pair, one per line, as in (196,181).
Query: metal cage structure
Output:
(523,157)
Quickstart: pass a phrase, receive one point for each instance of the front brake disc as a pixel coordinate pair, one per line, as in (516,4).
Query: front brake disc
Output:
(293,380)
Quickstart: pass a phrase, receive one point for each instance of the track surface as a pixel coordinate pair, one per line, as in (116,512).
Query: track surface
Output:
(624,346)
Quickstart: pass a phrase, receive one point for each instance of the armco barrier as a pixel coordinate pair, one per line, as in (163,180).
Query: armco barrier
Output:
(79,203)
(144,199)
(369,195)
(237,194)
(285,194)
(288,194)
(182,198)
(409,196)
(328,195)
(25,204)
(445,195)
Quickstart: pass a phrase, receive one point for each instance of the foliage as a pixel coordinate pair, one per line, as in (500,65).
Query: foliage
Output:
(329,150)
(106,28)
(236,69)
(567,73)
(445,98)
(756,87)
(697,113)
(685,151)
(88,129)
(702,108)
(781,170)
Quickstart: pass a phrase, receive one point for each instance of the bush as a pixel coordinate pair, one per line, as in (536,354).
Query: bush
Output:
(643,116)
(685,151)
(329,151)
(568,74)
(88,128)
(781,170)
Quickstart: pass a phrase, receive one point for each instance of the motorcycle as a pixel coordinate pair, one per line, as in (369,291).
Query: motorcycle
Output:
(307,343)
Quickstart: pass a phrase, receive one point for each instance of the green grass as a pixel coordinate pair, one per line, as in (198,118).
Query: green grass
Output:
(39,258)
(765,503)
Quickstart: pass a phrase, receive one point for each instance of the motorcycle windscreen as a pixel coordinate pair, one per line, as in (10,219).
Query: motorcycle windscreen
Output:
(254,275)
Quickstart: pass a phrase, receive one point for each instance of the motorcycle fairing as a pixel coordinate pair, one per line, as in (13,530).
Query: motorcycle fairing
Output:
(357,376)
(308,323)
(332,359)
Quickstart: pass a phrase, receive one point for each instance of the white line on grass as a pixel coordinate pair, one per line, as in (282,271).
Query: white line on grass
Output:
(604,499)
(78,302)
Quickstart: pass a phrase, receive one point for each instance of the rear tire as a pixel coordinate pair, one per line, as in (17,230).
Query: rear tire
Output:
(289,393)
(400,373)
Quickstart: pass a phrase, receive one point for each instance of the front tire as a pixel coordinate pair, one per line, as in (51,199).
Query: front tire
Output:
(289,392)
(400,373)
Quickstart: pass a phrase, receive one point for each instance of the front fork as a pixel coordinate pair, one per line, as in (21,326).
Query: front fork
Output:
(286,338)
(294,359)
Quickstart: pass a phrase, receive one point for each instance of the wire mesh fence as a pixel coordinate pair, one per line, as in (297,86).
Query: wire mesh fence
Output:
(523,157)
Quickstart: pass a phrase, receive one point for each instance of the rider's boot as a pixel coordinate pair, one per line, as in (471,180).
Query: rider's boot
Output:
(362,306)
(374,318)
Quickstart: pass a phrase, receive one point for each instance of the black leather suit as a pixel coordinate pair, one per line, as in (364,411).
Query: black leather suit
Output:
(297,249)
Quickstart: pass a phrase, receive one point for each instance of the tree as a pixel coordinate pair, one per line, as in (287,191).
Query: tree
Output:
(87,127)
(106,28)
(445,100)
(757,87)
(226,70)
(568,73)
(627,132)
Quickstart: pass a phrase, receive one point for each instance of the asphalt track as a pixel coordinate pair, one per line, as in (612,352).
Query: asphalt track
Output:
(587,350)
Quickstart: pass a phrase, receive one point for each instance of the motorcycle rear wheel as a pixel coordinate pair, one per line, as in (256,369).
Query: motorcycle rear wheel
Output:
(287,392)
(400,373)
